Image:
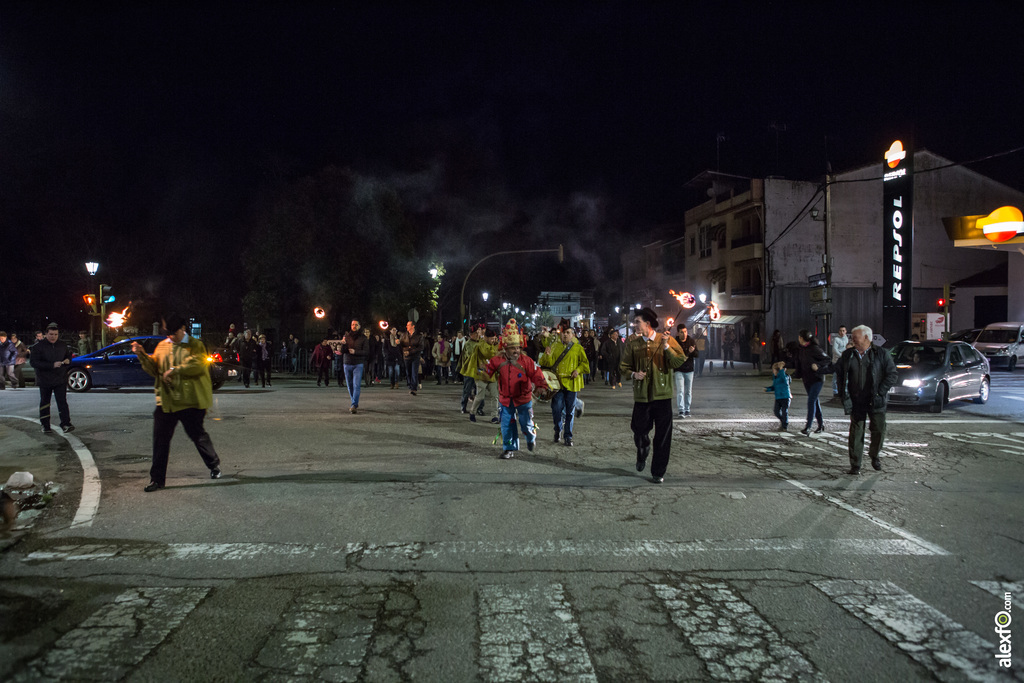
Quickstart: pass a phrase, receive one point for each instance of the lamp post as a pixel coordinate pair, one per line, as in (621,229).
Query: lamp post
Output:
(462,296)
(92,267)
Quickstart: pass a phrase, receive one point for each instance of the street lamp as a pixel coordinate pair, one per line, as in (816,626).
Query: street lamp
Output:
(485,295)
(92,267)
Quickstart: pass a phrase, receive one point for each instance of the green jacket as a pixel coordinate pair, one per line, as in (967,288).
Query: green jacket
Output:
(190,385)
(482,353)
(576,359)
(651,357)
(467,355)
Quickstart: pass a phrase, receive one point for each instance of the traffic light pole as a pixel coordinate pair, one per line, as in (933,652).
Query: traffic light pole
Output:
(103,315)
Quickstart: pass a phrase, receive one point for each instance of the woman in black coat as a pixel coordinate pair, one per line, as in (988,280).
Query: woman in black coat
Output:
(812,365)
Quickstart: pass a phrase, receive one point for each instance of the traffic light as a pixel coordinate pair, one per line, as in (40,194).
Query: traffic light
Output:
(941,302)
(108,298)
(952,295)
(90,301)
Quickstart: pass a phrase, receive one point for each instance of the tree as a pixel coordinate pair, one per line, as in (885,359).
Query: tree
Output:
(337,240)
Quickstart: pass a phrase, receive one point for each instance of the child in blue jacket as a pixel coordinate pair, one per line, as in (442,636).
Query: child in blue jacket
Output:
(780,385)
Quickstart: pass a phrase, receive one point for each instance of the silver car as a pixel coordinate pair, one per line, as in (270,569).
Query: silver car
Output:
(933,373)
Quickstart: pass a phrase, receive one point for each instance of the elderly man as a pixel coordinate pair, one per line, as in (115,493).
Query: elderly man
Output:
(865,374)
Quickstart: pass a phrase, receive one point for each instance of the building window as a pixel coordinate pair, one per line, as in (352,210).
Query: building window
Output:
(705,241)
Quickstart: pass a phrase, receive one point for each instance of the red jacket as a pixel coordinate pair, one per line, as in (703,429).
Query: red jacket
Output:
(515,385)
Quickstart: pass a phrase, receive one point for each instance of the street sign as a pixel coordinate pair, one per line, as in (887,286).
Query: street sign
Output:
(877,339)
(818,280)
(819,294)
(821,308)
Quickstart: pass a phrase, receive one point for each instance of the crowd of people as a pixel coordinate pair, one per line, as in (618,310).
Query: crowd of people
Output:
(506,371)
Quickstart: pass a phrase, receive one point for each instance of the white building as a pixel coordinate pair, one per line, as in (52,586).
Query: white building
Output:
(753,246)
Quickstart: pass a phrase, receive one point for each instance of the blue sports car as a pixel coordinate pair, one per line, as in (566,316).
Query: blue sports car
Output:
(117,366)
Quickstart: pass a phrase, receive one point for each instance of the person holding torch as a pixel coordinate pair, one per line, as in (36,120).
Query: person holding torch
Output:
(183,393)
(649,359)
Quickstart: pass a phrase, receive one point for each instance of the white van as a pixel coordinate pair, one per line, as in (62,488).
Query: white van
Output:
(1002,344)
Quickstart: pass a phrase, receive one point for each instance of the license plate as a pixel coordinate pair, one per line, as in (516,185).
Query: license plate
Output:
(232,373)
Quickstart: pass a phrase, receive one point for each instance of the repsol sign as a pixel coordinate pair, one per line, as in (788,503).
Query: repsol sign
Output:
(897,241)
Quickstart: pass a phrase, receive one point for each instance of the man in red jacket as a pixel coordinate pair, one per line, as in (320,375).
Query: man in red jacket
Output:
(517,375)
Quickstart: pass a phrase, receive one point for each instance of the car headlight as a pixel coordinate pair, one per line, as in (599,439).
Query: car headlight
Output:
(912,383)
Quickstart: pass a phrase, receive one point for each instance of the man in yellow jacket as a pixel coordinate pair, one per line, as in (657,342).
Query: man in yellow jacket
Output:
(485,384)
(568,360)
(183,393)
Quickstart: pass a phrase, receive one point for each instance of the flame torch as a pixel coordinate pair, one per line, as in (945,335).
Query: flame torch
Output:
(116,319)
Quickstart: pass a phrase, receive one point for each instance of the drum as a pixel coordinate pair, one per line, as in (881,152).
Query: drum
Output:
(554,385)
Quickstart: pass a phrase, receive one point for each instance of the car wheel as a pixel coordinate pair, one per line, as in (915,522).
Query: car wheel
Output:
(79,380)
(983,392)
(217,384)
(1013,363)
(941,396)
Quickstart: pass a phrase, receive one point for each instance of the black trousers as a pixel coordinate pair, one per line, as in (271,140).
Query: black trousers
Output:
(163,430)
(60,393)
(659,415)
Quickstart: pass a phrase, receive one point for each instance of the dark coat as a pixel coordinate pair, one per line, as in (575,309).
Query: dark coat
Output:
(358,342)
(882,376)
(809,355)
(44,355)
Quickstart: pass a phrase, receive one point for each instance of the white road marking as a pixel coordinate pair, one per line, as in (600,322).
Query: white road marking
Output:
(735,643)
(324,634)
(530,633)
(89,503)
(930,547)
(1001,588)
(484,551)
(1013,398)
(930,637)
(111,642)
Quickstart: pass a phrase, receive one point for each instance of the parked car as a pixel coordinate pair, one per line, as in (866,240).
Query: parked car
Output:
(1002,344)
(968,335)
(933,373)
(117,366)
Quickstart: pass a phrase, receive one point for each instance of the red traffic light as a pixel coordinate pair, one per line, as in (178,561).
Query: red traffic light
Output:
(942,303)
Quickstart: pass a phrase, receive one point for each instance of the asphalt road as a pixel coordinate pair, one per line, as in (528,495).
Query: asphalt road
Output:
(395,545)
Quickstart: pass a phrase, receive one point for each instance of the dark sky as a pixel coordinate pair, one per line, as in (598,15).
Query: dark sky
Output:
(127,118)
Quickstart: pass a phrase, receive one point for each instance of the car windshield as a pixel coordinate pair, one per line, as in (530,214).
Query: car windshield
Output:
(963,335)
(998,336)
(923,355)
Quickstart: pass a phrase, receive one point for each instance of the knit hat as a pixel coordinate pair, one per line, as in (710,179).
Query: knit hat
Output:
(649,316)
(511,335)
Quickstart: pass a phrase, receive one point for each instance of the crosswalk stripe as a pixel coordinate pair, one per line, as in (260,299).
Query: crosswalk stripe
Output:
(111,642)
(320,638)
(930,637)
(1001,588)
(530,633)
(472,555)
(735,643)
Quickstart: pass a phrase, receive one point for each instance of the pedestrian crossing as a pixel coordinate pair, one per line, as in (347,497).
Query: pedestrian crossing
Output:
(533,628)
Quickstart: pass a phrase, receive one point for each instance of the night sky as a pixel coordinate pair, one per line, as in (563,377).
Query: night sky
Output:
(573,122)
